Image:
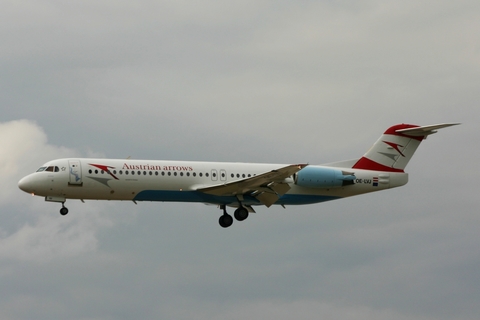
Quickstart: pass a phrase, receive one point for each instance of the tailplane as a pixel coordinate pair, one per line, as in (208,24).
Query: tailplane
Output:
(396,146)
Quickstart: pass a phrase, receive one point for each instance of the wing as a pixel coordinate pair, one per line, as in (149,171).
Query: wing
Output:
(266,187)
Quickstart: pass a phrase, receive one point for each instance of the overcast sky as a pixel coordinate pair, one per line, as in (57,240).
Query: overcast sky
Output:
(253,81)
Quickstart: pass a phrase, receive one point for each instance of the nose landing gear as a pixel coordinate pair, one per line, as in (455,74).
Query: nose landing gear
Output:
(63,210)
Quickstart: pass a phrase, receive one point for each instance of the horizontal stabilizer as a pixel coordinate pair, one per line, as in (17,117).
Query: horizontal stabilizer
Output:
(425,130)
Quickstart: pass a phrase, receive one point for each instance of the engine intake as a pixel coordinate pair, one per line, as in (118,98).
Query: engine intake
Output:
(325,178)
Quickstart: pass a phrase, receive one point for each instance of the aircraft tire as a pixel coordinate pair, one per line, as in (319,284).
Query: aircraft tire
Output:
(63,211)
(241,214)
(225,220)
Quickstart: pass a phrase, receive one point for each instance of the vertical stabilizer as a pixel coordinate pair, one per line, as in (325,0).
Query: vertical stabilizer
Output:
(396,146)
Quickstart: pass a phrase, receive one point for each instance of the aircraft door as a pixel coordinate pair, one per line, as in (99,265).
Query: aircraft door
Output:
(75,173)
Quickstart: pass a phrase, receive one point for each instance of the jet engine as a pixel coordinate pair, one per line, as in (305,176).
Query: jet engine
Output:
(324,178)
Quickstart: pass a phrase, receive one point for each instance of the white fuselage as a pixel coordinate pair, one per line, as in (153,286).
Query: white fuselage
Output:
(234,184)
(153,180)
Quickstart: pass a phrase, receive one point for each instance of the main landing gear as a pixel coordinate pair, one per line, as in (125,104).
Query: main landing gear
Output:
(226,220)
(241,214)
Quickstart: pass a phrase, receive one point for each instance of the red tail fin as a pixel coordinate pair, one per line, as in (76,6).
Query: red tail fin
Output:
(396,146)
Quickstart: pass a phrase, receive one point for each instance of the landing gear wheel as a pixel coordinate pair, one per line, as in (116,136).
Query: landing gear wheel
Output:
(225,220)
(241,214)
(63,211)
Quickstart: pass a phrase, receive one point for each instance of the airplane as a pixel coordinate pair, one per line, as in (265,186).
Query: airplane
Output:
(230,184)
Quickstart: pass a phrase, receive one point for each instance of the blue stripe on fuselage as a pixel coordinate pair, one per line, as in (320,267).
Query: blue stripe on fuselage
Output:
(196,196)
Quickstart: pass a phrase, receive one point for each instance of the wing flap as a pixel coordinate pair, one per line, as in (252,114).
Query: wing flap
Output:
(267,198)
(280,188)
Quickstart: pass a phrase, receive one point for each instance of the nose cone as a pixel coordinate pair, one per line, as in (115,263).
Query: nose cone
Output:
(26,184)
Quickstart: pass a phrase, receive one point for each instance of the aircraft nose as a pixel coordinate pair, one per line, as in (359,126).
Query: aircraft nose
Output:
(25,184)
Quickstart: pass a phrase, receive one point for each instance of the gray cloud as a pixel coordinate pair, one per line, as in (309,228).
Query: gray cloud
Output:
(248,81)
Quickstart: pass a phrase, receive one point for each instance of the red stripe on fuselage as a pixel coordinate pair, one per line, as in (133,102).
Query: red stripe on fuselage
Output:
(104,168)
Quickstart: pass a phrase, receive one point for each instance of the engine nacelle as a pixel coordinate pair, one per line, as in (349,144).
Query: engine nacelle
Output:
(325,178)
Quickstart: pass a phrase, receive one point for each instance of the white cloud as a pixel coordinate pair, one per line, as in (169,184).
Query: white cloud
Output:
(41,237)
(23,148)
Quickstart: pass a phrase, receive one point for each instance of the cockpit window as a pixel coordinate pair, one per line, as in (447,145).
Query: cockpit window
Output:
(50,169)
(41,169)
